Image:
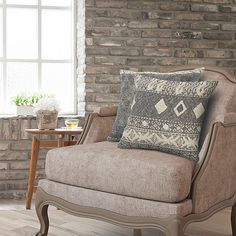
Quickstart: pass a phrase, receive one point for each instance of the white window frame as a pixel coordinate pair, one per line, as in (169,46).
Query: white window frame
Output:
(40,61)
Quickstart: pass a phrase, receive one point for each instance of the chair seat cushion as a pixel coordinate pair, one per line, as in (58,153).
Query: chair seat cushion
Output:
(122,205)
(136,173)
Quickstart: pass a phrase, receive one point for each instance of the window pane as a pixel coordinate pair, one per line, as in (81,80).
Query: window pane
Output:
(1,89)
(1,33)
(56,34)
(57,79)
(21,77)
(63,3)
(23,2)
(22,33)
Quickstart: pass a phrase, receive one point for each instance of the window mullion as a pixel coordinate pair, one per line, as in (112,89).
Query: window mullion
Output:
(39,45)
(4,52)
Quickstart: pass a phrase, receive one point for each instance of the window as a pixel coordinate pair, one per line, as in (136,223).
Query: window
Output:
(37,51)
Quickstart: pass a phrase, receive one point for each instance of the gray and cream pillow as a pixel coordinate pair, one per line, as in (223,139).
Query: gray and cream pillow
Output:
(167,116)
(128,90)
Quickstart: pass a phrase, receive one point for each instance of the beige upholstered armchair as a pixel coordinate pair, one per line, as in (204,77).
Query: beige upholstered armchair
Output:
(139,188)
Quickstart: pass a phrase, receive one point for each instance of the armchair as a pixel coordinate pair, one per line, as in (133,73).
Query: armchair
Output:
(145,189)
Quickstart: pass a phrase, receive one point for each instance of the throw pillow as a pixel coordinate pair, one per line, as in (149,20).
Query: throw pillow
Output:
(167,116)
(128,90)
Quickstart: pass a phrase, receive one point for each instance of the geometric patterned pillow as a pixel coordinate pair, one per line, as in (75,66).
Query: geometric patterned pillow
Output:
(167,116)
(128,91)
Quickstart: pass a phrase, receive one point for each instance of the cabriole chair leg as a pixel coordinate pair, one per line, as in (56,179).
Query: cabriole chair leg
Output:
(42,213)
(233,219)
(137,232)
(175,228)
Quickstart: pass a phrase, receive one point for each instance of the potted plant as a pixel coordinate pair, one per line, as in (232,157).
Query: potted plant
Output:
(25,102)
(46,113)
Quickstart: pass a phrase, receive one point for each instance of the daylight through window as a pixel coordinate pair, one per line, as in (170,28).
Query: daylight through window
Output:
(36,51)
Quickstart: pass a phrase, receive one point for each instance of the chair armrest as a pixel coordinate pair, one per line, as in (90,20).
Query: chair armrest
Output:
(106,111)
(98,125)
(215,181)
(226,119)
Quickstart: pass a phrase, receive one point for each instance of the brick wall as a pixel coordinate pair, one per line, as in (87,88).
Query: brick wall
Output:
(147,35)
(15,146)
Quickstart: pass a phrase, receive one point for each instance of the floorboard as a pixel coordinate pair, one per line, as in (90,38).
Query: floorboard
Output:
(16,221)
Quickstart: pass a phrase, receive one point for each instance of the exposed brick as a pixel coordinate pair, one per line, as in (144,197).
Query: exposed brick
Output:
(14,128)
(121,32)
(174,25)
(4,165)
(188,16)
(205,26)
(109,22)
(108,98)
(6,129)
(107,79)
(203,44)
(187,35)
(157,52)
(124,52)
(111,3)
(140,61)
(4,145)
(21,145)
(24,124)
(202,62)
(156,34)
(105,60)
(96,13)
(218,1)
(13,175)
(132,4)
(204,7)
(89,3)
(13,194)
(227,44)
(10,155)
(24,165)
(218,17)
(98,32)
(157,15)
(97,51)
(227,63)
(109,42)
(170,6)
(142,42)
(171,62)
(89,41)
(102,70)
(219,54)
(114,88)
(229,27)
(228,8)
(173,43)
(189,53)
(215,36)
(142,24)
(126,14)
(90,97)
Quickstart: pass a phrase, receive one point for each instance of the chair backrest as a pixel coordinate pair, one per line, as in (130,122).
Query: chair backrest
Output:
(97,128)
(223,99)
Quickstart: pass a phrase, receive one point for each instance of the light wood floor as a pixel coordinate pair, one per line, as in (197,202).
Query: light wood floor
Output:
(16,221)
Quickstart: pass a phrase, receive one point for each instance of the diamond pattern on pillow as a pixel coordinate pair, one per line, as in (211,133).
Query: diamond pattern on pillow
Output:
(167,116)
(128,90)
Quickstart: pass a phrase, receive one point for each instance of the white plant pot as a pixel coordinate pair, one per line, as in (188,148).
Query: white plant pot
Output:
(25,110)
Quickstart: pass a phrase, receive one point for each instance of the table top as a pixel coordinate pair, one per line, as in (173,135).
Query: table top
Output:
(66,131)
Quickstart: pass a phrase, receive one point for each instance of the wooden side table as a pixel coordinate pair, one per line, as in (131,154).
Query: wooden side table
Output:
(64,138)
